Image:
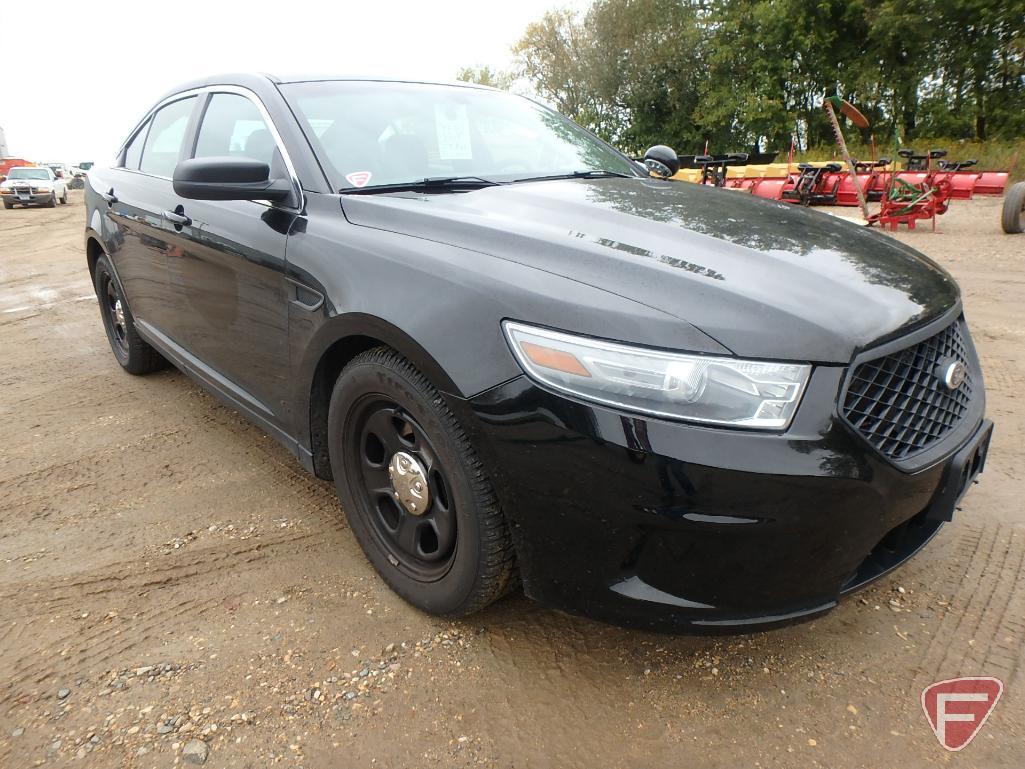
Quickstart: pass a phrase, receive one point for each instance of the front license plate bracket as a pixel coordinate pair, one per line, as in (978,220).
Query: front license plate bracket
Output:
(961,471)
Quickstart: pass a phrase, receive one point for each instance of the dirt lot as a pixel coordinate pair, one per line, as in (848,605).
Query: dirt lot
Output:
(168,572)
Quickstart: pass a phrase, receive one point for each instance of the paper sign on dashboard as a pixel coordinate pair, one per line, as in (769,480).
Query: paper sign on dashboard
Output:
(453,127)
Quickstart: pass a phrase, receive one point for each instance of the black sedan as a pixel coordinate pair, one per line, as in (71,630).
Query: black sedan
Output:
(523,360)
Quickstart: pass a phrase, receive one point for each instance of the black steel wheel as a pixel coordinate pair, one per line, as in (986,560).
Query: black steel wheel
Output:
(130,350)
(414,491)
(410,505)
(116,320)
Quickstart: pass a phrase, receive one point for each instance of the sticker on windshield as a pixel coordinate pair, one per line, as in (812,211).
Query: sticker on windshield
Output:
(453,127)
(358,178)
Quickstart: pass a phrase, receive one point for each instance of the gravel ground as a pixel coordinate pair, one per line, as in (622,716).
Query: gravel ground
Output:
(175,590)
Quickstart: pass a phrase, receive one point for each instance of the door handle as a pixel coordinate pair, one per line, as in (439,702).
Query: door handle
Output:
(178,218)
(109,196)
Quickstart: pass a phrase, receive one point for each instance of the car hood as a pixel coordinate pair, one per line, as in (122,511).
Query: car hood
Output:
(764,279)
(33,182)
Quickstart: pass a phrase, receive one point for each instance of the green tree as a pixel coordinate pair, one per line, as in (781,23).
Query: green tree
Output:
(558,55)
(627,69)
(743,73)
(486,76)
(980,66)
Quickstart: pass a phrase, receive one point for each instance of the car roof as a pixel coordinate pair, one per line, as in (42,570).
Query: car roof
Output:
(254,81)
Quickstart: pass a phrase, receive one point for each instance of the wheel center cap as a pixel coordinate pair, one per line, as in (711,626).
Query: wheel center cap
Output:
(409,482)
(119,313)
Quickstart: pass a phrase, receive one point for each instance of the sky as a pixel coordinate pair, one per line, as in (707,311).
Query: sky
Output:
(97,67)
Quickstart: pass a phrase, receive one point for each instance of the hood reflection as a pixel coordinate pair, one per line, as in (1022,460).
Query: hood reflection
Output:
(762,278)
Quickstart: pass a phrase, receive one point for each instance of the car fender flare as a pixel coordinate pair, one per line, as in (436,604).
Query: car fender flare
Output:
(358,324)
(320,367)
(91,233)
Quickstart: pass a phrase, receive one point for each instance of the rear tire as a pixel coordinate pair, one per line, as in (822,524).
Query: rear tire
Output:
(454,555)
(64,198)
(131,351)
(1013,216)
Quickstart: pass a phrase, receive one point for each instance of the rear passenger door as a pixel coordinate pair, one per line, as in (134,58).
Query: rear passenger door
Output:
(139,195)
(229,277)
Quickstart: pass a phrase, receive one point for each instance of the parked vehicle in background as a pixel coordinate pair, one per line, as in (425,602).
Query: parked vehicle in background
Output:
(86,165)
(522,359)
(6,164)
(59,170)
(33,185)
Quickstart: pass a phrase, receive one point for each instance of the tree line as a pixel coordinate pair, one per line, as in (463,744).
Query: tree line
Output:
(751,74)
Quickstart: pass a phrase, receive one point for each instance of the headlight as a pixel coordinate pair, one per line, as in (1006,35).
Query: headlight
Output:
(697,388)
(40,189)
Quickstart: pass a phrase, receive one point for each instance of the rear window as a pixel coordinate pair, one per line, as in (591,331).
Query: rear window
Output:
(134,150)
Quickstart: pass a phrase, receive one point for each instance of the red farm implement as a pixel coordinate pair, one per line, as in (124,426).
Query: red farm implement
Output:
(921,190)
(907,202)
(814,185)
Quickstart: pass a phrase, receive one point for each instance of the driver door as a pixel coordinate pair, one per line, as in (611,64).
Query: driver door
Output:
(229,275)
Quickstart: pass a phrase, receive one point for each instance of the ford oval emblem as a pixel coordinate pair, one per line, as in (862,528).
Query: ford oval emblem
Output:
(954,375)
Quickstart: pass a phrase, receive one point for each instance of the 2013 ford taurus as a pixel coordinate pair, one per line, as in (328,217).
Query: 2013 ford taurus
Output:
(524,360)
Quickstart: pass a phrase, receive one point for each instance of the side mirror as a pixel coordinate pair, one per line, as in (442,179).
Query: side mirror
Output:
(228,178)
(662,161)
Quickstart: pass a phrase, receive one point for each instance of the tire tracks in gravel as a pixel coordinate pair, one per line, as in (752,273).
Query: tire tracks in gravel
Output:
(90,650)
(127,577)
(88,647)
(983,630)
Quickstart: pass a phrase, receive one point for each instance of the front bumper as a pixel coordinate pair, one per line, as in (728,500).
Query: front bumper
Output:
(28,199)
(669,526)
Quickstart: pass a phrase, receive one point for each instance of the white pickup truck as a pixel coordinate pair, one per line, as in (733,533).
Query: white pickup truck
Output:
(33,185)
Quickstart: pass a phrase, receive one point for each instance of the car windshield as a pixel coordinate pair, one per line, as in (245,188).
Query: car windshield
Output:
(382,133)
(29,173)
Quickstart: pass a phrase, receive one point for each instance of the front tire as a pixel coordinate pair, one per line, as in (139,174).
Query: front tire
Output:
(452,555)
(131,351)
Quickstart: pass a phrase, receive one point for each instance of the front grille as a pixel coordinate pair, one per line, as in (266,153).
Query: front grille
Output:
(899,402)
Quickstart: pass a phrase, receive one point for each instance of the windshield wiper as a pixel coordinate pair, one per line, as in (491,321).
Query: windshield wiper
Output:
(590,173)
(440,183)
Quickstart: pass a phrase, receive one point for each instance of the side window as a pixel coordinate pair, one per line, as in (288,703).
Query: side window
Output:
(164,141)
(134,151)
(233,127)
